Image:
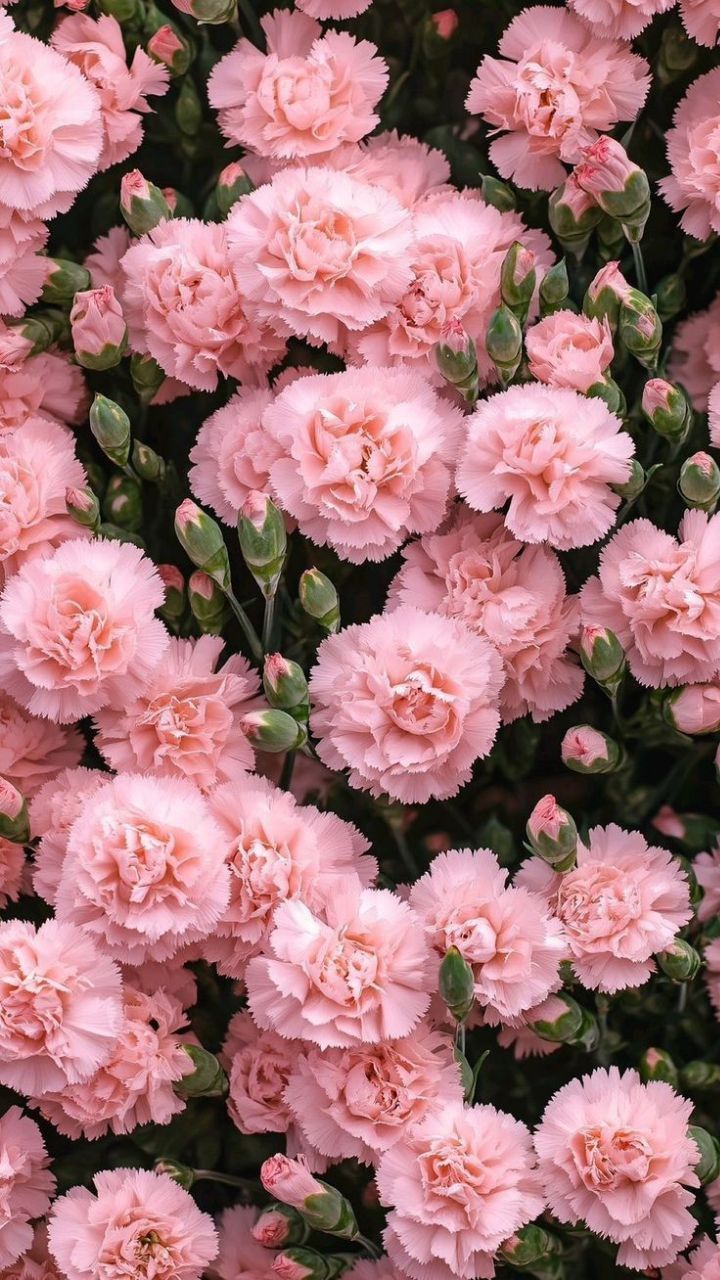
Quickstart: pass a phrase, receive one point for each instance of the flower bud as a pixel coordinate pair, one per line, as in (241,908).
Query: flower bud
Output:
(263,541)
(634,485)
(606,294)
(201,539)
(617,184)
(213,12)
(273,731)
(518,278)
(147,376)
(180,1173)
(99,332)
(679,961)
(700,1075)
(552,834)
(110,426)
(285,686)
(456,984)
(232,184)
(498,194)
(562,1020)
(319,599)
(656,1064)
(122,503)
(173,607)
(587,750)
(63,280)
(207,603)
(608,391)
(123,10)
(279,1225)
(554,289)
(640,329)
(169,48)
(206,1079)
(178,204)
(456,358)
(573,216)
(14,823)
(504,342)
(113,533)
(694,709)
(188,109)
(678,53)
(142,204)
(83,506)
(147,463)
(532,1249)
(699,483)
(322,1206)
(445,23)
(670,296)
(708,1165)
(667,409)
(602,656)
(297,1263)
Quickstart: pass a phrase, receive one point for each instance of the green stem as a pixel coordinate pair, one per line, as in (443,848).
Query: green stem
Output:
(640,272)
(251,18)
(287,771)
(248,629)
(371,1248)
(227,1179)
(268,621)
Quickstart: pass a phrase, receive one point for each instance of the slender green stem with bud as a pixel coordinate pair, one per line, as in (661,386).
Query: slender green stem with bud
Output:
(268,623)
(640,272)
(227,1179)
(248,629)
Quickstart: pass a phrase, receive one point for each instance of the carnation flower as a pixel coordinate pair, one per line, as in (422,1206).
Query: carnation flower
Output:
(661,597)
(23,268)
(711,956)
(569,350)
(506,934)
(457,1185)
(186,720)
(27,1183)
(239,1256)
(189,309)
(339,10)
(362,461)
(553,89)
(358,973)
(520,1037)
(103,262)
(60,1006)
(52,813)
(307,94)
(623,902)
(701,19)
(694,183)
(232,454)
(32,751)
(615,1155)
(695,708)
(554,455)
(407,702)
(45,385)
(132,1215)
(12,871)
(35,1263)
(621,19)
(402,164)
(78,630)
(695,356)
(144,870)
(706,868)
(37,465)
(514,595)
(259,1064)
(319,252)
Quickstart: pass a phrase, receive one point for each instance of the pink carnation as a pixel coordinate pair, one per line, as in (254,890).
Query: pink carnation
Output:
(134,1219)
(362,461)
(458,1185)
(702,1264)
(186,720)
(506,934)
(232,454)
(318,252)
(623,902)
(695,708)
(45,386)
(402,164)
(337,10)
(96,46)
(712,978)
(406,701)
(78,630)
(554,455)
(103,262)
(694,183)
(523,1040)
(31,750)
(695,355)
(701,19)
(187,306)
(27,1183)
(706,868)
(553,89)
(569,350)
(713,411)
(358,973)
(37,465)
(259,1063)
(310,92)
(60,1006)
(23,268)
(35,1263)
(239,1255)
(661,596)
(615,1155)
(52,813)
(144,870)
(12,871)
(621,19)
(511,594)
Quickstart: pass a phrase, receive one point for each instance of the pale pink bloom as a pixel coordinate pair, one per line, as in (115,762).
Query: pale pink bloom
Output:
(695,355)
(97,322)
(52,813)
(276,851)
(144,870)
(372,1269)
(96,46)
(60,1006)
(259,1064)
(310,92)
(232,454)
(621,19)
(701,19)
(37,465)
(32,751)
(615,1155)
(713,411)
(505,933)
(669,822)
(23,268)
(712,979)
(702,1264)
(408,702)
(239,1255)
(402,164)
(358,973)
(318,252)
(46,386)
(12,871)
(512,594)
(35,1263)
(661,597)
(554,455)
(706,867)
(135,1221)
(186,720)
(27,1183)
(693,186)
(569,350)
(78,630)
(458,1185)
(172,975)
(623,902)
(136,1085)
(554,87)
(337,10)
(52,126)
(363,461)
(696,709)
(103,262)
(356,1103)
(188,307)
(584,745)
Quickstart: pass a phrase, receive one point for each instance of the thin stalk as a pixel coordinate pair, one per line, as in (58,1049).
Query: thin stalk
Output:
(371,1248)
(640,272)
(268,623)
(227,1179)
(248,629)
(287,770)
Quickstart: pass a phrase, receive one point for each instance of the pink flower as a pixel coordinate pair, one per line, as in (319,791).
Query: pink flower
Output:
(584,746)
(362,461)
(144,870)
(356,1103)
(318,252)
(27,1183)
(620,19)
(337,10)
(701,19)
(103,262)
(458,1185)
(569,350)
(60,1006)
(706,867)
(696,708)
(232,454)
(99,332)
(357,974)
(407,702)
(310,92)
(37,465)
(260,1064)
(35,1263)
(96,47)
(694,183)
(511,594)
(77,628)
(187,307)
(713,411)
(52,813)
(239,1255)
(289,1181)
(45,386)
(23,268)
(276,851)
(520,1037)
(695,356)
(702,1264)
(506,934)
(623,902)
(32,750)
(12,871)
(615,1154)
(554,455)
(402,164)
(553,89)
(186,720)
(136,1215)
(661,596)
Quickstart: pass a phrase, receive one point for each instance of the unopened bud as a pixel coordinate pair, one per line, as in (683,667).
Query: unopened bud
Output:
(708,1164)
(656,1064)
(201,538)
(573,216)
(110,426)
(123,10)
(498,194)
(667,409)
(561,1020)
(456,358)
(602,656)
(321,1205)
(670,296)
(640,329)
(207,603)
(214,12)
(617,184)
(147,376)
(232,184)
(147,463)
(142,204)
(83,506)
(610,393)
(554,289)
(168,47)
(587,750)
(518,278)
(300,1263)
(679,961)
(693,709)
(278,1226)
(180,1173)
(285,686)
(319,599)
(178,204)
(113,533)
(206,1079)
(99,332)
(122,503)
(173,607)
(504,343)
(188,108)
(263,541)
(63,280)
(552,834)
(456,984)
(445,22)
(606,294)
(634,485)
(678,53)
(700,1076)
(14,823)
(532,1249)
(273,731)
(699,483)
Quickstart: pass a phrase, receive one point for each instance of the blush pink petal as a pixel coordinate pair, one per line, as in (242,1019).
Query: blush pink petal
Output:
(27,1183)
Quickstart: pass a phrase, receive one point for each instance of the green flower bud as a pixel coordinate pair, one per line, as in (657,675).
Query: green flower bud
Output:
(285,686)
(147,377)
(587,750)
(656,1064)
(123,10)
(319,599)
(640,329)
(207,603)
(533,1249)
(180,1173)
(122,503)
(670,296)
(552,834)
(273,731)
(602,656)
(263,541)
(278,1226)
(83,506)
(213,12)
(113,533)
(178,204)
(64,280)
(14,821)
(518,278)
(456,358)
(307,1264)
(142,204)
(504,343)
(667,409)
(708,1165)
(206,1079)
(330,1211)
(616,184)
(700,1075)
(456,984)
(173,607)
(202,540)
(606,294)
(573,216)
(232,184)
(188,108)
(634,485)
(169,47)
(35,331)
(699,483)
(678,54)
(554,289)
(110,426)
(498,194)
(609,391)
(564,1021)
(147,463)
(679,961)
